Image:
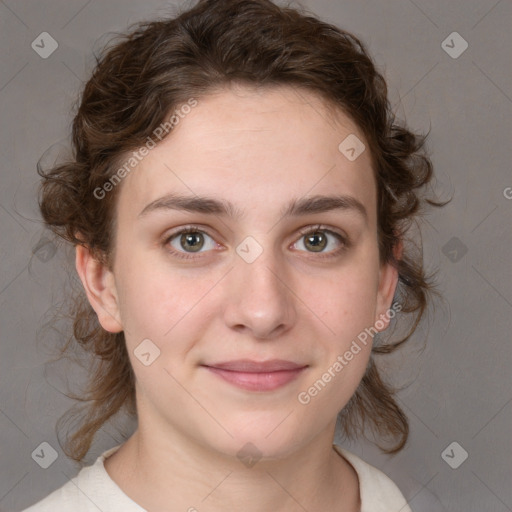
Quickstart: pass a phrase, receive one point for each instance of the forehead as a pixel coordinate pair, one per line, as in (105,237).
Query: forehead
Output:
(256,148)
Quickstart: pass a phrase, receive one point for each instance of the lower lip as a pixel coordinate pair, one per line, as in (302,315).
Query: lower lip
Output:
(257,381)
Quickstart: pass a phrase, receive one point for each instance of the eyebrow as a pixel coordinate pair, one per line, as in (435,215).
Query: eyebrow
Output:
(296,207)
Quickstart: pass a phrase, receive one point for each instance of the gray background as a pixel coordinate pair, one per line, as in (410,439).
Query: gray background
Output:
(458,388)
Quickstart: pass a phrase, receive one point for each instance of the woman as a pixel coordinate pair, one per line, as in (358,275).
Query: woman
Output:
(239,201)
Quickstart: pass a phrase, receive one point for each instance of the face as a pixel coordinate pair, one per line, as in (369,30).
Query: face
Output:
(280,262)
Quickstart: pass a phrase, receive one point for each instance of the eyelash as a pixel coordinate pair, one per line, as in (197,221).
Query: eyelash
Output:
(345,243)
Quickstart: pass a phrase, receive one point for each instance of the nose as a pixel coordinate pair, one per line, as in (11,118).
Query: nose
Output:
(259,297)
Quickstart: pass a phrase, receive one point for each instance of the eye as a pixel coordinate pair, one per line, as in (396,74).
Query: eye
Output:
(190,240)
(320,240)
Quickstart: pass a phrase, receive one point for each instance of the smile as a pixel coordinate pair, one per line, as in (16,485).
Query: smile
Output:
(257,376)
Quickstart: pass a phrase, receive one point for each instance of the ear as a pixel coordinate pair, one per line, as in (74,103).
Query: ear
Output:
(99,284)
(388,280)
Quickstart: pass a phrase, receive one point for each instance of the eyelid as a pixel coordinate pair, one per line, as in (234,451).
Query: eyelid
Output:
(322,227)
(342,238)
(189,228)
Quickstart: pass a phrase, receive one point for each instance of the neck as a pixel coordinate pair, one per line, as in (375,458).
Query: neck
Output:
(155,471)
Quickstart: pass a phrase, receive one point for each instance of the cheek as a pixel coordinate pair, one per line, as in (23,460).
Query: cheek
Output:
(156,302)
(348,307)
(347,301)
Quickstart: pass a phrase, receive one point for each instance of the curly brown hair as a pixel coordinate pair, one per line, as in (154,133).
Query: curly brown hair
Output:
(146,73)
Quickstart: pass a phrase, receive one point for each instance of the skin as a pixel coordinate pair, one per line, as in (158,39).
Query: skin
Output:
(258,149)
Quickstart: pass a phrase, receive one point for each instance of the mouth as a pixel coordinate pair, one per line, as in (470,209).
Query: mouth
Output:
(257,376)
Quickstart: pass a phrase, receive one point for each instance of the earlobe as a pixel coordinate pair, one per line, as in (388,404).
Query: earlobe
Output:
(98,282)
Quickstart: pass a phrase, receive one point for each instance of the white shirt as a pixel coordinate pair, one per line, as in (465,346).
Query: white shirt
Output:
(92,490)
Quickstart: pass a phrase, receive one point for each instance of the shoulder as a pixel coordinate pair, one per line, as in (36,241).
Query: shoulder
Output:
(380,494)
(89,491)
(65,498)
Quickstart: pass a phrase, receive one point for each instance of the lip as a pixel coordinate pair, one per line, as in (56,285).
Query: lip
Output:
(250,366)
(255,375)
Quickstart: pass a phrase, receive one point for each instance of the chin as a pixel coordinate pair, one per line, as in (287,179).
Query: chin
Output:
(269,439)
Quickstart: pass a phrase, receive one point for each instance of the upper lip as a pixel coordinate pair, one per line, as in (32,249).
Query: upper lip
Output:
(249,366)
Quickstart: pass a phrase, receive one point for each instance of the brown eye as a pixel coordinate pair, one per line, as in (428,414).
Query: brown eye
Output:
(319,240)
(189,240)
(316,241)
(193,241)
